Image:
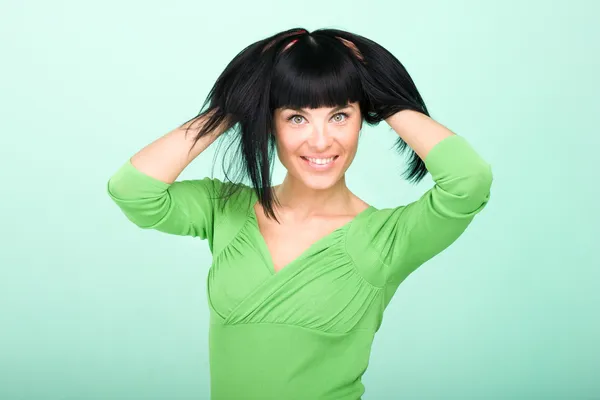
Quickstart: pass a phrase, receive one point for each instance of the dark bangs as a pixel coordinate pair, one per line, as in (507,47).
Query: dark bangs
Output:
(314,72)
(300,69)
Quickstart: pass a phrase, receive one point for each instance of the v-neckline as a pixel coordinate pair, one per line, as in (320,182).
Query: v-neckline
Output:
(265,248)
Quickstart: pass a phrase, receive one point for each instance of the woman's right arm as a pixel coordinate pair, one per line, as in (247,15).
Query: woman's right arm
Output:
(166,157)
(146,190)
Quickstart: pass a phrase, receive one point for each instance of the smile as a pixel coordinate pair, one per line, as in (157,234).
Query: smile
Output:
(320,163)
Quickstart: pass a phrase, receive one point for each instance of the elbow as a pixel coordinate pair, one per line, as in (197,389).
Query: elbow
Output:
(119,188)
(142,214)
(116,188)
(482,179)
(478,189)
(110,190)
(144,211)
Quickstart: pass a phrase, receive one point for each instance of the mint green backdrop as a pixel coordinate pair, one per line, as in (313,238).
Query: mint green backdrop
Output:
(93,307)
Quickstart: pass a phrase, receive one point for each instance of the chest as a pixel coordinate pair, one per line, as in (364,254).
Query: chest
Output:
(288,241)
(293,274)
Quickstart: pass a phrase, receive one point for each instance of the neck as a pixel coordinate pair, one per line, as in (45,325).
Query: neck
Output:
(304,202)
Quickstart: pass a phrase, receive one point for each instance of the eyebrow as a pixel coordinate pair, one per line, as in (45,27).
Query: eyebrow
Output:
(338,108)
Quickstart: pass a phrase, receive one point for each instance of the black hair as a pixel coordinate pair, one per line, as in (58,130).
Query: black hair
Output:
(300,69)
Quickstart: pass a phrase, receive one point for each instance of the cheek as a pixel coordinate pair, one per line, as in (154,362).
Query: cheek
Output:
(285,151)
(350,142)
(287,145)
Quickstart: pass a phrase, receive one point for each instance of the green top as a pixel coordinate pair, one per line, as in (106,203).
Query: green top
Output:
(306,331)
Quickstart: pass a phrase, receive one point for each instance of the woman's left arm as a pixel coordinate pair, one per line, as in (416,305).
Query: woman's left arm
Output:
(412,234)
(418,130)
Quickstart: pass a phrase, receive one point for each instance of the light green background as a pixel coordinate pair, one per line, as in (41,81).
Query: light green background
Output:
(93,307)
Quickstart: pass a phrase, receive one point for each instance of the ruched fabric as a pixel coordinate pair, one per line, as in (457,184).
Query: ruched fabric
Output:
(306,331)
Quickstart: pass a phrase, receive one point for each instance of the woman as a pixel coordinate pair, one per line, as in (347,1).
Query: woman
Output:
(302,271)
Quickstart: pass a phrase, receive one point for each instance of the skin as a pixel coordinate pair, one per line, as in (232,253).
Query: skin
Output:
(312,203)
(317,133)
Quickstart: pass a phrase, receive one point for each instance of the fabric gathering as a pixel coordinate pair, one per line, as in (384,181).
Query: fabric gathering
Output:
(306,331)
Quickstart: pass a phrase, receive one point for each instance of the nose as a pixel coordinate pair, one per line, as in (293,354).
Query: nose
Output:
(319,139)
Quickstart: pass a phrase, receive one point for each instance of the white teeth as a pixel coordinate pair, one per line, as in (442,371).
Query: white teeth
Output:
(320,161)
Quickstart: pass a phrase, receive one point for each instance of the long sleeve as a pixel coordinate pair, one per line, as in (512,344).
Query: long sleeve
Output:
(184,207)
(409,235)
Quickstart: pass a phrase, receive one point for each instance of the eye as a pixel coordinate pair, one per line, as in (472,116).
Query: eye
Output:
(290,118)
(343,114)
(294,116)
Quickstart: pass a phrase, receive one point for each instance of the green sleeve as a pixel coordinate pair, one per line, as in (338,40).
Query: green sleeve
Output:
(409,235)
(184,207)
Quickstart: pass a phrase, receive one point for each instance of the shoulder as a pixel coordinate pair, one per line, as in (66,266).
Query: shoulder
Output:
(232,204)
(216,188)
(368,241)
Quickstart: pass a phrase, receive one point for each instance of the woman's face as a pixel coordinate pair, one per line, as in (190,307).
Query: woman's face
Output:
(317,145)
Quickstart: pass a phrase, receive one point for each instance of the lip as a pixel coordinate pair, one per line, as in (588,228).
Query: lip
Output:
(319,167)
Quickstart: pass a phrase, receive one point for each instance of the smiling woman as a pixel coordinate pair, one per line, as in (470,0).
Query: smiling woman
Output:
(316,147)
(312,74)
(303,271)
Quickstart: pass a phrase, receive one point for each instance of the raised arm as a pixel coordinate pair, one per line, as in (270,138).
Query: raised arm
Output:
(407,236)
(418,130)
(166,157)
(145,189)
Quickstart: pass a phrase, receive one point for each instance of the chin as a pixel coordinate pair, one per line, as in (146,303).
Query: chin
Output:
(318,177)
(321,183)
